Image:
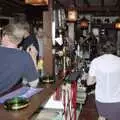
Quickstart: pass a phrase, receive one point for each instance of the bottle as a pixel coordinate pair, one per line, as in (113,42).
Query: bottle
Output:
(40,66)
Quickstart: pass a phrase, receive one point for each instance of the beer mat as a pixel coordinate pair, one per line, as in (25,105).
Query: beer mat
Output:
(26,92)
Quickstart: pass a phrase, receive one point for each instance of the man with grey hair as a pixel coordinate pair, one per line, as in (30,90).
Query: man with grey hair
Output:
(15,63)
(105,72)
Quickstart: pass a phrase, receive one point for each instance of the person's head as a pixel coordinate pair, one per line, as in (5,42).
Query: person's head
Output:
(12,34)
(108,47)
(40,32)
(27,29)
(26,26)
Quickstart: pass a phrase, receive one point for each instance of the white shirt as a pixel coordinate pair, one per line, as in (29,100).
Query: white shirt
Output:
(41,44)
(106,69)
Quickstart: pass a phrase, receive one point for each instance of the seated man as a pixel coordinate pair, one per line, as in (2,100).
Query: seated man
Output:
(14,63)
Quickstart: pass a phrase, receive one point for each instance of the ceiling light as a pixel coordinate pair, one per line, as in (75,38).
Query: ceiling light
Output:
(72,14)
(117,23)
(37,2)
(84,23)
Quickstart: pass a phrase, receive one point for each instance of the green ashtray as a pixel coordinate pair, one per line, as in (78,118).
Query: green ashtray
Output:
(16,103)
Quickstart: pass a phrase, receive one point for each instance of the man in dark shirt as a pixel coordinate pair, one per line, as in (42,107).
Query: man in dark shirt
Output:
(14,63)
(29,39)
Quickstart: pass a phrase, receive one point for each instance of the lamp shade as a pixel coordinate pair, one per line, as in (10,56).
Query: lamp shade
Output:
(72,14)
(117,23)
(37,2)
(84,23)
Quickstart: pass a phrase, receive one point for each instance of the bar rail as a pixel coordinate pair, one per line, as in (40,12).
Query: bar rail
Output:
(35,102)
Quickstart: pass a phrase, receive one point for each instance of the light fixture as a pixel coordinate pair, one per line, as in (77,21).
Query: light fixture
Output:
(36,2)
(84,23)
(72,14)
(117,23)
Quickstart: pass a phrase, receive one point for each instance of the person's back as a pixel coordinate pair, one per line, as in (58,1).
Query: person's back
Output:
(105,73)
(107,77)
(15,63)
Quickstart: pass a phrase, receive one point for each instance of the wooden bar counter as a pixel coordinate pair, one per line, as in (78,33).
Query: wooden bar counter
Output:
(35,102)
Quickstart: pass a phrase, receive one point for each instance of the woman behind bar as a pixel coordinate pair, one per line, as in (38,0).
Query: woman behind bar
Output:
(105,72)
(15,63)
(40,39)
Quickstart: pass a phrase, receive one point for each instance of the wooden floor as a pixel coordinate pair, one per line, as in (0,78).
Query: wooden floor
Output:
(89,109)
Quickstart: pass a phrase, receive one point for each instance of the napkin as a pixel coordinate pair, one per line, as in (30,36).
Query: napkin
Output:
(26,92)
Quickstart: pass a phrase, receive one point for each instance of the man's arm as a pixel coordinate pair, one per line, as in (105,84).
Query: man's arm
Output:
(31,75)
(92,74)
(33,53)
(91,80)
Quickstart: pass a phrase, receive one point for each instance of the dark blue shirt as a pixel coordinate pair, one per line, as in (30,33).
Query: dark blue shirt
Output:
(30,40)
(15,64)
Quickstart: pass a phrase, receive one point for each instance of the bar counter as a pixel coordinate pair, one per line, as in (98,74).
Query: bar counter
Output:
(35,102)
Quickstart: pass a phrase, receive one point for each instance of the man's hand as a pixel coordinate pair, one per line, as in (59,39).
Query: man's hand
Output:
(91,80)
(33,53)
(34,83)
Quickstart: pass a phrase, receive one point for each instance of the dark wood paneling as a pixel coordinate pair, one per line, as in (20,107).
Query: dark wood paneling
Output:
(9,7)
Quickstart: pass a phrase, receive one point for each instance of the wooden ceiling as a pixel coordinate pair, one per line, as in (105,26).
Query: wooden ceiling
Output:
(96,7)
(9,7)
(14,7)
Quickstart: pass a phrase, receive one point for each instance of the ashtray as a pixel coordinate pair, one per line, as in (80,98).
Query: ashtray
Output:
(16,103)
(47,79)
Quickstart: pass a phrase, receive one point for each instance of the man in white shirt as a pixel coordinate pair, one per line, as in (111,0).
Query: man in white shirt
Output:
(105,72)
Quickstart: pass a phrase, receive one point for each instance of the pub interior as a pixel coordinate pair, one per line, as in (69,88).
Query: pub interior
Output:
(73,31)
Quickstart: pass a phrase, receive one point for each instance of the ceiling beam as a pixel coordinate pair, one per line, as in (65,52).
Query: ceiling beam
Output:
(86,2)
(20,2)
(97,8)
(117,4)
(9,7)
(12,3)
(102,3)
